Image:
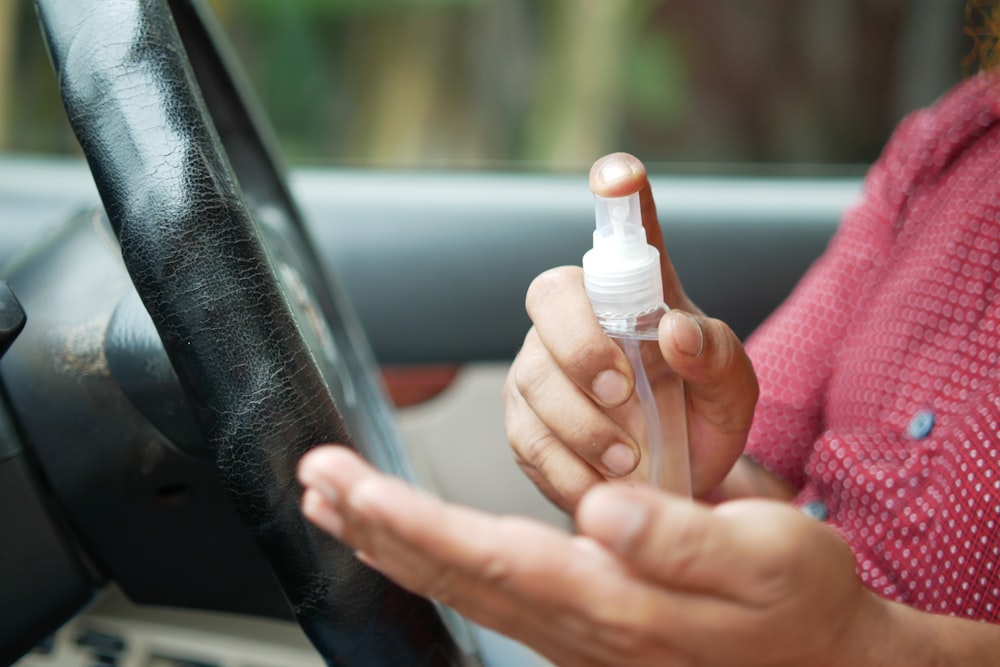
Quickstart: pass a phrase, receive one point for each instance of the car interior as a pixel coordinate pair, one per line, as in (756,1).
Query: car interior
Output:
(182,316)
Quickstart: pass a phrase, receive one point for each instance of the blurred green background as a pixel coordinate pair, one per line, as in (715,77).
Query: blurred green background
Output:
(553,84)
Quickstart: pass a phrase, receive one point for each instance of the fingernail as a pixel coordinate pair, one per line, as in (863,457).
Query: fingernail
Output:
(688,336)
(619,459)
(322,513)
(611,388)
(614,170)
(614,519)
(320,485)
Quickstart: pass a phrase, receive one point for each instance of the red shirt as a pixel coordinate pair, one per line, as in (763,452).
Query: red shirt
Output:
(880,381)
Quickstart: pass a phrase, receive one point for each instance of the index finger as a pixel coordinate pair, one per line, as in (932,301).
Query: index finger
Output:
(508,573)
(569,331)
(621,174)
(564,595)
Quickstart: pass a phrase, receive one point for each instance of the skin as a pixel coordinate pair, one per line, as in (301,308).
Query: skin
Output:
(569,395)
(650,578)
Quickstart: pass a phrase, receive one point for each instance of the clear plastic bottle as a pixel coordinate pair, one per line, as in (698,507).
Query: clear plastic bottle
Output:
(622,278)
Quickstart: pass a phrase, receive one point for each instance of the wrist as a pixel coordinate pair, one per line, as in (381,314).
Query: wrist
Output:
(871,638)
(887,634)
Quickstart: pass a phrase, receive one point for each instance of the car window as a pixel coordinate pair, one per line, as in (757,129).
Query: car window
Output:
(552,84)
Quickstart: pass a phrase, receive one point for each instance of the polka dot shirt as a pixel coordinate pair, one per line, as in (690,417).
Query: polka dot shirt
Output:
(880,381)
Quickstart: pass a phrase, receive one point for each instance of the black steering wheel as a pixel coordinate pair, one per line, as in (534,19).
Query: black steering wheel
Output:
(266,347)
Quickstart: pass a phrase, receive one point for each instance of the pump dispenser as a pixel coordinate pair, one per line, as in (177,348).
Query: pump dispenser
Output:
(622,272)
(621,275)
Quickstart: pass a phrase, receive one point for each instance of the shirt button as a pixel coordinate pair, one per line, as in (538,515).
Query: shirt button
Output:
(921,425)
(816,510)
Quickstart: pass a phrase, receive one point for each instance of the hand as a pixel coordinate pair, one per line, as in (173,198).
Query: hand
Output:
(571,411)
(652,579)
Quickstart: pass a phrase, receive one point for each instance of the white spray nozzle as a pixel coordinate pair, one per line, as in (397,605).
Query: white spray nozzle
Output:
(621,273)
(619,225)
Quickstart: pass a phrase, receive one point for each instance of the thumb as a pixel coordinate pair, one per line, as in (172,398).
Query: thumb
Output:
(753,551)
(664,538)
(721,390)
(685,545)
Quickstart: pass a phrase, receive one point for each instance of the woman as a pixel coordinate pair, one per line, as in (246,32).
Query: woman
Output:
(878,418)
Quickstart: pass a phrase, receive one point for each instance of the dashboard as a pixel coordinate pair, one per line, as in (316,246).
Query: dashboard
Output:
(117,633)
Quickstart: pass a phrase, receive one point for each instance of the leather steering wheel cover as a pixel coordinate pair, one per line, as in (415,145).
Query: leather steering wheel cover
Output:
(198,262)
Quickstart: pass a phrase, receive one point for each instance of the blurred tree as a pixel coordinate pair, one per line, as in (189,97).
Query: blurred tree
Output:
(554,83)
(408,82)
(581,84)
(33,118)
(804,81)
(8,28)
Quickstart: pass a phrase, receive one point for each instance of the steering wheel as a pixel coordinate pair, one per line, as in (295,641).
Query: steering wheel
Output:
(265,345)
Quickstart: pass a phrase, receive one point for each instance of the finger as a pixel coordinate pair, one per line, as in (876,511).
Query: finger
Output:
(564,595)
(546,412)
(479,590)
(529,581)
(621,174)
(721,390)
(331,476)
(567,597)
(319,470)
(558,472)
(739,553)
(321,512)
(508,573)
(568,331)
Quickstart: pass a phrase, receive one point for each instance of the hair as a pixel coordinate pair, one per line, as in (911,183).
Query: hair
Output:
(982,25)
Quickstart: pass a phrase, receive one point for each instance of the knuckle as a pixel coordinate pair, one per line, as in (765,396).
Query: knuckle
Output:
(496,571)
(558,472)
(589,440)
(586,356)
(728,353)
(529,470)
(585,438)
(628,630)
(730,365)
(442,586)
(621,639)
(509,392)
(562,498)
(537,449)
(722,341)
(531,380)
(515,427)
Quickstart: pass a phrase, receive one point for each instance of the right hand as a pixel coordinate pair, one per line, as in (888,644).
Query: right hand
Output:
(650,580)
(569,394)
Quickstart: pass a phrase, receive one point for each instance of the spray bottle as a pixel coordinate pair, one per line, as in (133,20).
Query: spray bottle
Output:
(621,275)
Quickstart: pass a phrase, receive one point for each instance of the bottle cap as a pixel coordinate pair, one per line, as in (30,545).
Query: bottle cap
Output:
(621,273)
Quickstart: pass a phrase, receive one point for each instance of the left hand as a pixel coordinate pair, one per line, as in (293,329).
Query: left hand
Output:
(651,579)
(571,413)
